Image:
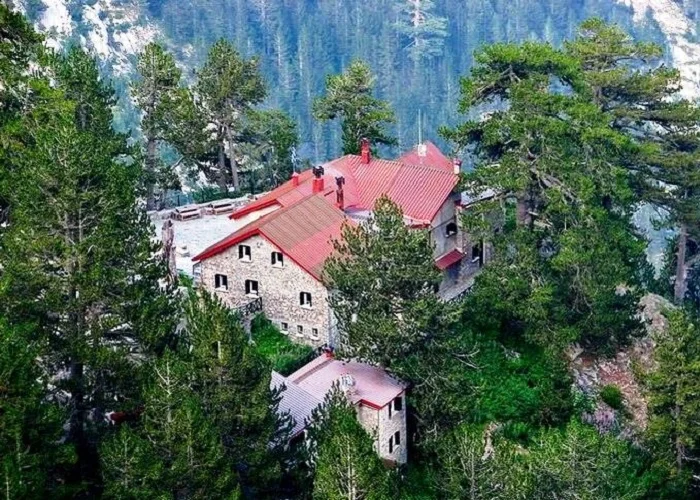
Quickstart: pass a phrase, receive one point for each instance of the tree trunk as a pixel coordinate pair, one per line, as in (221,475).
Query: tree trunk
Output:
(680,285)
(234,166)
(150,173)
(221,175)
(522,214)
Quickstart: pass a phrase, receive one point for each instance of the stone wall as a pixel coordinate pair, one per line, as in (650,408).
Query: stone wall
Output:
(279,288)
(382,428)
(438,235)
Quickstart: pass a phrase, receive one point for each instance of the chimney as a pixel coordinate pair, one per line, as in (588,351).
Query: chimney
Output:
(339,196)
(365,152)
(457,163)
(295,179)
(317,185)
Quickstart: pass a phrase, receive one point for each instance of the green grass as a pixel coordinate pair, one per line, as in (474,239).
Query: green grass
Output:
(283,355)
(612,395)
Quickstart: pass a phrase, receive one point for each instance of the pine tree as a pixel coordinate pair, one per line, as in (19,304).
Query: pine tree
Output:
(31,452)
(425,30)
(77,260)
(276,135)
(346,464)
(674,409)
(156,95)
(19,46)
(176,451)
(349,98)
(574,462)
(209,426)
(384,282)
(571,268)
(642,97)
(227,87)
(233,383)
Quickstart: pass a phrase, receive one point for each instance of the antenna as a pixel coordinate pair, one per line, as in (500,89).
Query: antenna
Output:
(420,127)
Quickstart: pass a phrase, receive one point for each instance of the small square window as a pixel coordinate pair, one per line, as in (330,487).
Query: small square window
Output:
(314,333)
(450,229)
(284,327)
(277,259)
(300,331)
(398,404)
(220,282)
(244,252)
(305,299)
(251,287)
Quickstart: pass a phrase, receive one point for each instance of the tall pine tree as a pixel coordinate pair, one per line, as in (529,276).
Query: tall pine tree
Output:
(228,86)
(156,94)
(78,260)
(349,98)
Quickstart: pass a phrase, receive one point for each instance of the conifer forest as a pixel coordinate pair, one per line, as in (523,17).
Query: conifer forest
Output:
(566,367)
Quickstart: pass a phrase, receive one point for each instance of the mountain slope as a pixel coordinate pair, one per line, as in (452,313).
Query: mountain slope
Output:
(301,41)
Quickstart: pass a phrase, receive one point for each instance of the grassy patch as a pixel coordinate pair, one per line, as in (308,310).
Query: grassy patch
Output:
(612,396)
(283,355)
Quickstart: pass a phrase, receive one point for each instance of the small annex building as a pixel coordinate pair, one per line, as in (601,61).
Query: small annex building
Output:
(378,398)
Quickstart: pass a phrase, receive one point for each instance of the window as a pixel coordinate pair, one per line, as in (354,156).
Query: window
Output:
(395,406)
(314,333)
(391,444)
(244,252)
(300,331)
(451,229)
(251,287)
(284,327)
(221,282)
(305,299)
(277,259)
(397,438)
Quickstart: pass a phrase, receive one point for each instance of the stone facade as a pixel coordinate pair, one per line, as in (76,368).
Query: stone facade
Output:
(442,243)
(279,288)
(383,425)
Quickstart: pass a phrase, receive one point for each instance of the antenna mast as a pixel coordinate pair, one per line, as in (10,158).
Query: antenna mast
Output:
(420,127)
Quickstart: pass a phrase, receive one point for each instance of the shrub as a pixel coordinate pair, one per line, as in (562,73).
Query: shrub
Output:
(612,396)
(283,355)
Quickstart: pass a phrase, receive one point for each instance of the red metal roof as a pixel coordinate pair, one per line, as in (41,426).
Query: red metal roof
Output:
(420,190)
(428,154)
(303,231)
(372,385)
(449,258)
(272,198)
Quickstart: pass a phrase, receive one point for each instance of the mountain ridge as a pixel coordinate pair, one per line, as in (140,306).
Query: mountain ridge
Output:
(295,58)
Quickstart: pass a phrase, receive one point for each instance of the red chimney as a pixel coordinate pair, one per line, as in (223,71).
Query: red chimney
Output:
(339,196)
(365,152)
(317,185)
(295,179)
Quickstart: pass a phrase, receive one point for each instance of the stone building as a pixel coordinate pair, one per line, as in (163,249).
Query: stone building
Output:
(280,258)
(378,398)
(278,255)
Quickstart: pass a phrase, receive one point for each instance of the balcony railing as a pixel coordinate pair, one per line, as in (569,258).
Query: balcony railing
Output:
(250,308)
